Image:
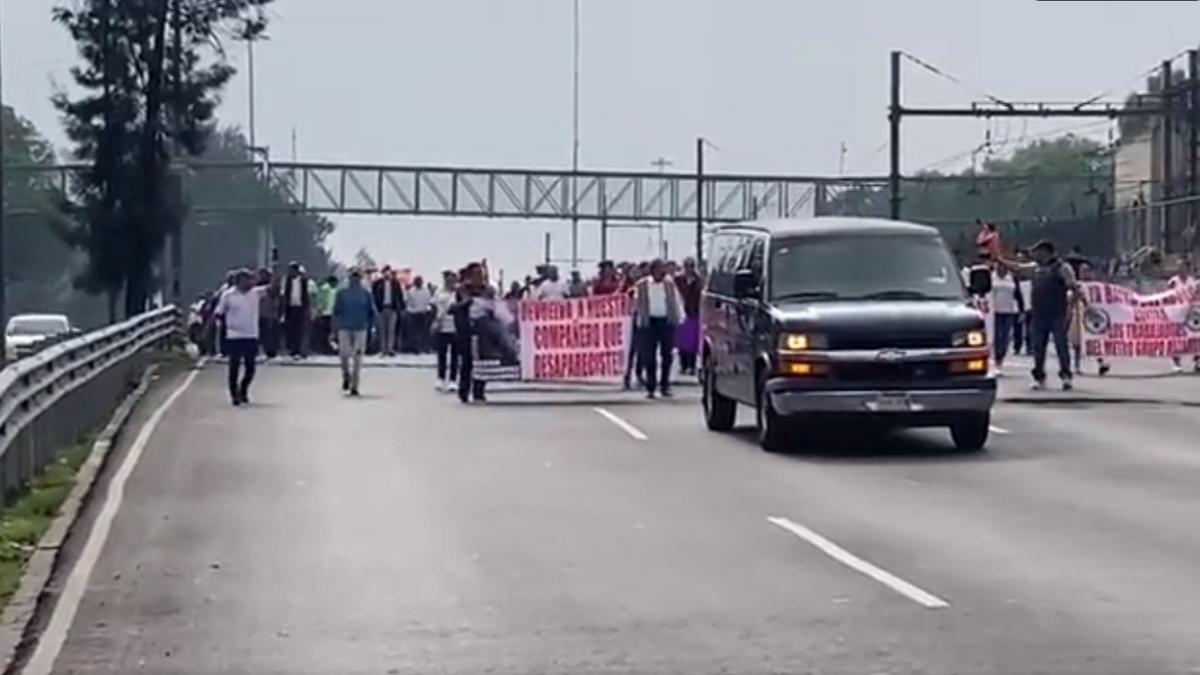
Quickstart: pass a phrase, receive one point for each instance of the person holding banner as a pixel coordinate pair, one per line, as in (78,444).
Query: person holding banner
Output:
(470,309)
(1076,331)
(1182,279)
(657,311)
(444,338)
(635,363)
(607,282)
(1053,285)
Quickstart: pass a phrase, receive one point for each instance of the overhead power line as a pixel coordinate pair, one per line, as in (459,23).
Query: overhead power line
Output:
(1131,82)
(938,71)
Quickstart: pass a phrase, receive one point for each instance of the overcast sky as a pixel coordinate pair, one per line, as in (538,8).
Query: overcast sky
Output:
(778,85)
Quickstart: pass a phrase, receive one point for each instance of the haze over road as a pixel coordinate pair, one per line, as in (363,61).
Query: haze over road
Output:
(405,533)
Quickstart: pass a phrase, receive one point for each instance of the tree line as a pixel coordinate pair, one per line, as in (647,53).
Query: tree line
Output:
(147,87)
(1058,189)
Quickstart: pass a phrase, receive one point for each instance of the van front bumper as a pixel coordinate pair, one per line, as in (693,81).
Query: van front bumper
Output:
(790,397)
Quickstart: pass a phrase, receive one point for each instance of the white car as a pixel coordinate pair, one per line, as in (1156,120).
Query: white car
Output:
(25,331)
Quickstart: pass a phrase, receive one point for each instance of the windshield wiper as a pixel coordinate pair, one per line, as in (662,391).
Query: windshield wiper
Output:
(901,295)
(809,295)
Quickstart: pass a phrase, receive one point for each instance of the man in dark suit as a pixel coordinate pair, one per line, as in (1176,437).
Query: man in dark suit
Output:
(389,300)
(295,299)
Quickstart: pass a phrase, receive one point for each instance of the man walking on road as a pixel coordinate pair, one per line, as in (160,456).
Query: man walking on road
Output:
(419,304)
(1052,286)
(295,309)
(658,312)
(389,300)
(239,311)
(323,325)
(353,315)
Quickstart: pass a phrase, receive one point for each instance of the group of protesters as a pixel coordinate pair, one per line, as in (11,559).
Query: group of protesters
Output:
(666,298)
(258,315)
(1037,299)
(296,310)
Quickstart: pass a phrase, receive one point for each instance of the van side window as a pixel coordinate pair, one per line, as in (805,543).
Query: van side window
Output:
(717,250)
(738,256)
(754,260)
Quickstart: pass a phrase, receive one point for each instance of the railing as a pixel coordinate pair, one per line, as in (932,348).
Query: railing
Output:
(51,399)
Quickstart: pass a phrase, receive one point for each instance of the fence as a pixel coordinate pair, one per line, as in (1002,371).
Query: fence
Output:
(49,400)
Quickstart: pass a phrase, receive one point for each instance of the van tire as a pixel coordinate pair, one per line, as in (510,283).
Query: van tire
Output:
(774,430)
(720,412)
(970,434)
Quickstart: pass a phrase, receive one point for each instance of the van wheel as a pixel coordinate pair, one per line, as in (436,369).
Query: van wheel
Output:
(773,429)
(970,434)
(720,412)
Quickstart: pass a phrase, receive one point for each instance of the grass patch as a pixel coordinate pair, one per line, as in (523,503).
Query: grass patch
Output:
(23,524)
(176,356)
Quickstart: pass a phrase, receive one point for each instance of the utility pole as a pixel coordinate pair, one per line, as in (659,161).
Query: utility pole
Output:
(3,273)
(699,200)
(1193,124)
(604,238)
(894,115)
(1168,159)
(661,163)
(546,246)
(575,146)
(177,236)
(994,108)
(250,69)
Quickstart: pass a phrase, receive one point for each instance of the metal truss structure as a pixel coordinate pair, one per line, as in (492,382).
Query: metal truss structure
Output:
(613,196)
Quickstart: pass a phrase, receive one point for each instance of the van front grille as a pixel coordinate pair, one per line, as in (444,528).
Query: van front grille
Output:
(917,371)
(884,340)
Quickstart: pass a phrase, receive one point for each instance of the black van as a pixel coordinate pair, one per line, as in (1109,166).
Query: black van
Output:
(828,320)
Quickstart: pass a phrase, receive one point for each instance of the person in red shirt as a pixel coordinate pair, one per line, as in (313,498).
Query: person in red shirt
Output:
(607,282)
(988,241)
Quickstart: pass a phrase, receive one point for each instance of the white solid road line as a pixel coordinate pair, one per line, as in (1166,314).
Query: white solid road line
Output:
(857,564)
(51,641)
(997,430)
(625,426)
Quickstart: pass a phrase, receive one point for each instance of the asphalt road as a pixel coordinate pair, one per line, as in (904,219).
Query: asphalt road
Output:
(405,533)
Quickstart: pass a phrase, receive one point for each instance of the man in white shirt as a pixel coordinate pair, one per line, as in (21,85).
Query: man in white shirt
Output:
(239,311)
(419,305)
(658,311)
(551,287)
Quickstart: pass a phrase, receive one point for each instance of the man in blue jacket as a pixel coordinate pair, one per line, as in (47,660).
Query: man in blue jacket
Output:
(353,316)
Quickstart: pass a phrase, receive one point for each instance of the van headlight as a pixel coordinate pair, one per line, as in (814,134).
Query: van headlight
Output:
(801,342)
(971,338)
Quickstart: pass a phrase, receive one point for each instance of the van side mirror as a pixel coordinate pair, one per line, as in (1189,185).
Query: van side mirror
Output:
(980,281)
(745,284)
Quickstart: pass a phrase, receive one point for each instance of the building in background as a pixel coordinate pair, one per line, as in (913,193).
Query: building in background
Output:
(1156,179)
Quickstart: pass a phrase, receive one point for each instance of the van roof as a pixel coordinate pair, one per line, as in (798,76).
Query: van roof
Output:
(823,225)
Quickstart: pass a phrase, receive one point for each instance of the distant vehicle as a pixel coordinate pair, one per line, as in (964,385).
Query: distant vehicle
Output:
(26,332)
(843,320)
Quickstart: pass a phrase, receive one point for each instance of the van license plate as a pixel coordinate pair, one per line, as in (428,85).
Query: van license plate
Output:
(891,403)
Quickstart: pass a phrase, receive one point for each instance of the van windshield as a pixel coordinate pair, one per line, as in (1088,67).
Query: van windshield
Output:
(864,267)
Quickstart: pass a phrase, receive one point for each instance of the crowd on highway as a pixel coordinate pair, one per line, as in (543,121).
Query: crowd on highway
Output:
(256,316)
(1037,300)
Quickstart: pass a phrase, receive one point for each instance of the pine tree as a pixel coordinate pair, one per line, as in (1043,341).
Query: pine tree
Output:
(151,77)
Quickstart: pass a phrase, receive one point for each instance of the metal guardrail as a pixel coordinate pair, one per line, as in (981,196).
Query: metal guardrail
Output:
(51,399)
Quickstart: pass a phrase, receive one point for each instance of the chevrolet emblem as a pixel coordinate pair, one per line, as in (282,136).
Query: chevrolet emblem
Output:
(890,355)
